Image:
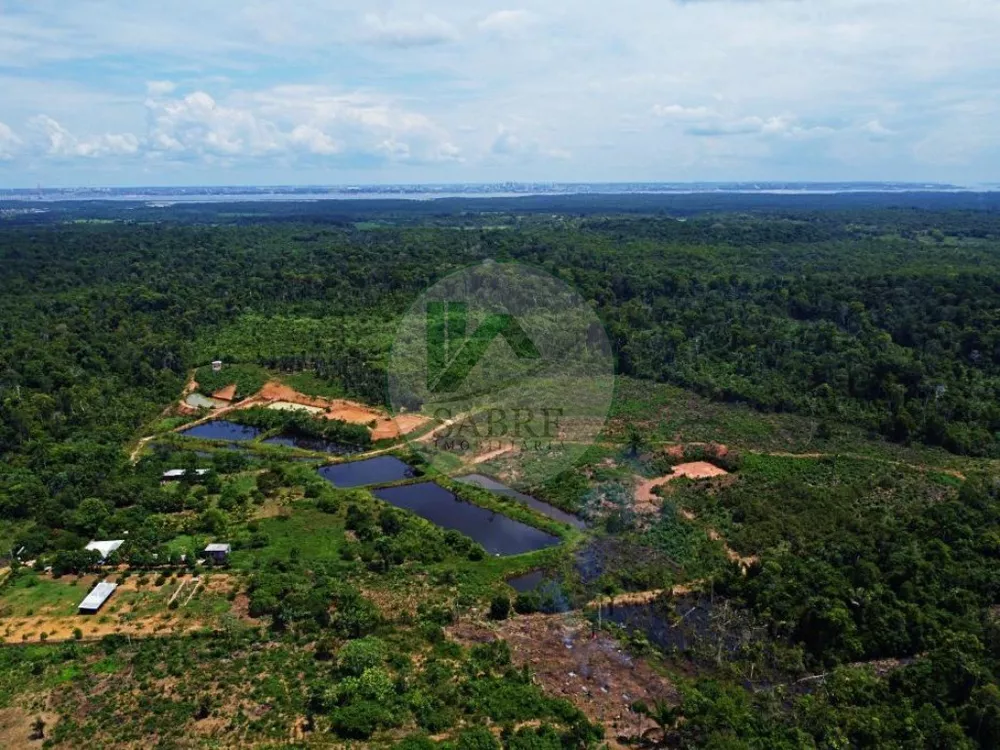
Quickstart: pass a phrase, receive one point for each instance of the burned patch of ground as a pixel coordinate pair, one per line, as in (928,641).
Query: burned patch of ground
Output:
(569,661)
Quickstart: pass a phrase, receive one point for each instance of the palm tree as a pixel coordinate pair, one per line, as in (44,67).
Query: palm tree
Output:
(660,713)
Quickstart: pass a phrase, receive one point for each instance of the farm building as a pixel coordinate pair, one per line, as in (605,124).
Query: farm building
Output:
(174,474)
(105,548)
(96,598)
(218,552)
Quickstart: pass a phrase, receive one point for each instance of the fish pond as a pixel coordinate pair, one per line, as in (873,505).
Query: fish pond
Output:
(311,444)
(221,429)
(498,534)
(378,470)
(551,511)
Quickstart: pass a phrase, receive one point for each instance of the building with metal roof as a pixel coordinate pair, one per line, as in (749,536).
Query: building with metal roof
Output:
(105,548)
(218,552)
(96,598)
(181,473)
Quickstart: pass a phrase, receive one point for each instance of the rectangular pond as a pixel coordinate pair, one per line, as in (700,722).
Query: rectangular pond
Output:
(491,484)
(498,534)
(378,470)
(311,444)
(220,429)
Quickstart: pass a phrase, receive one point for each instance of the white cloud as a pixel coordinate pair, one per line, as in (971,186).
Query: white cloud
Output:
(160,88)
(877,130)
(706,122)
(507,23)
(302,120)
(508,144)
(678,112)
(9,142)
(314,141)
(728,89)
(59,142)
(425,31)
(197,125)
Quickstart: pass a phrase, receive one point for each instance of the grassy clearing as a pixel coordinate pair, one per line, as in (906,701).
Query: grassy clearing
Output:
(310,534)
(30,594)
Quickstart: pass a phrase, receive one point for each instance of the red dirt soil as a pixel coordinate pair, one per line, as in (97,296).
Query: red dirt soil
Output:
(386,427)
(647,501)
(226,394)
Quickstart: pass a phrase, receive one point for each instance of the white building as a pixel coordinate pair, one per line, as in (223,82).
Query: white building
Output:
(96,598)
(105,548)
(181,473)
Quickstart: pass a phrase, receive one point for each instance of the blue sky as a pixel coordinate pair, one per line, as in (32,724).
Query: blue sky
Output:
(154,93)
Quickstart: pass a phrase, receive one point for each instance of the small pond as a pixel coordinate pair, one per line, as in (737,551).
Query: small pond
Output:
(311,444)
(527,581)
(220,429)
(199,401)
(378,470)
(488,483)
(498,534)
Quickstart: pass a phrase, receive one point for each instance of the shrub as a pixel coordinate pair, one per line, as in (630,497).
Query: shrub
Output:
(500,607)
(358,655)
(528,602)
(360,720)
(477,738)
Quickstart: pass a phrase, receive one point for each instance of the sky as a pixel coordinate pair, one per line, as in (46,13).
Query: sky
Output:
(101,93)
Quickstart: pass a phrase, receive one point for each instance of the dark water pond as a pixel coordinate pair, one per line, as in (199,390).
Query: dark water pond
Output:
(498,534)
(220,429)
(527,581)
(311,444)
(546,591)
(491,484)
(378,470)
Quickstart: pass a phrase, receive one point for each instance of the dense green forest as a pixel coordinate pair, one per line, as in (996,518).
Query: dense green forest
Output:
(871,330)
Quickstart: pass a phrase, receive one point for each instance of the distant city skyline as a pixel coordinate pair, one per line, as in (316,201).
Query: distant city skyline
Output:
(107,93)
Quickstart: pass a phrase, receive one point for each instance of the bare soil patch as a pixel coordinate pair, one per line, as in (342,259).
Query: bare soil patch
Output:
(383,427)
(567,661)
(648,502)
(16,726)
(115,617)
(226,394)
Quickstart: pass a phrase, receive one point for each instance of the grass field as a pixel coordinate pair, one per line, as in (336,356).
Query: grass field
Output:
(307,532)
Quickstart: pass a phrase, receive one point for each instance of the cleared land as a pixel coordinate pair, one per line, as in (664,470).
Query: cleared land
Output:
(39,604)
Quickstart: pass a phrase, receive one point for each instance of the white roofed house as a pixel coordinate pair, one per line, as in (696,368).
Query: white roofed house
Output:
(176,474)
(96,598)
(105,548)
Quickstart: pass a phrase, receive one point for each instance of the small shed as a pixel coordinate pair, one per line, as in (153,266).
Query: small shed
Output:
(105,548)
(217,365)
(218,552)
(175,474)
(96,598)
